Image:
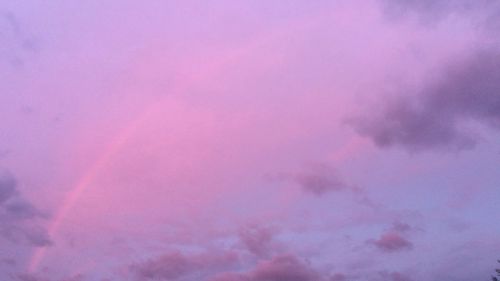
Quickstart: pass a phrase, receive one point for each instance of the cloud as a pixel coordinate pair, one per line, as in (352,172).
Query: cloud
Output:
(468,90)
(77,277)
(284,268)
(22,210)
(177,265)
(33,277)
(402,227)
(316,178)
(4,153)
(15,43)
(394,276)
(258,240)
(167,267)
(8,186)
(18,217)
(9,261)
(394,238)
(37,236)
(30,277)
(231,276)
(338,277)
(392,242)
(319,180)
(280,268)
(431,11)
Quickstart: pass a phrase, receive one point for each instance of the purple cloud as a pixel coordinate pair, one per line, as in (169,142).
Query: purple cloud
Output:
(22,210)
(431,11)
(317,178)
(284,268)
(395,276)
(15,43)
(467,90)
(30,277)
(18,217)
(34,277)
(280,268)
(8,186)
(177,265)
(258,240)
(166,267)
(338,277)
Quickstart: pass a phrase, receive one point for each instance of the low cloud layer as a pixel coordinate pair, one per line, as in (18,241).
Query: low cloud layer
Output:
(177,265)
(279,268)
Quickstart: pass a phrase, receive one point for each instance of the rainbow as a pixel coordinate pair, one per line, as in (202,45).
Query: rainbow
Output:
(117,144)
(223,59)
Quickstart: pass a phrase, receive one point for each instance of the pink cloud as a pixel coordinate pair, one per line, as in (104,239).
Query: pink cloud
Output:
(392,242)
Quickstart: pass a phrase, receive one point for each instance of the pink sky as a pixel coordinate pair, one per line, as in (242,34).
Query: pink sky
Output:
(249,140)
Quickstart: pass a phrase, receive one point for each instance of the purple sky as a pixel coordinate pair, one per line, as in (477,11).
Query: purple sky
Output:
(226,140)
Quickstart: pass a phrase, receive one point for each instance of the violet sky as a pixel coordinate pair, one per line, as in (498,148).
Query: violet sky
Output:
(249,140)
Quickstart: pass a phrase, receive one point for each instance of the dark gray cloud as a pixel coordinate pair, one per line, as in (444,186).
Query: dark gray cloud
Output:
(439,116)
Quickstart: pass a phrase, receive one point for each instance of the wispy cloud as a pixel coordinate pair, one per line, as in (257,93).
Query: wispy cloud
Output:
(15,43)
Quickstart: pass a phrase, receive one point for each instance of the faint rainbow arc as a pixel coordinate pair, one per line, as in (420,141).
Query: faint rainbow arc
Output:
(85,181)
(118,143)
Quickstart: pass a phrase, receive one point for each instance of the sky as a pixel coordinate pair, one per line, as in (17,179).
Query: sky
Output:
(249,140)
